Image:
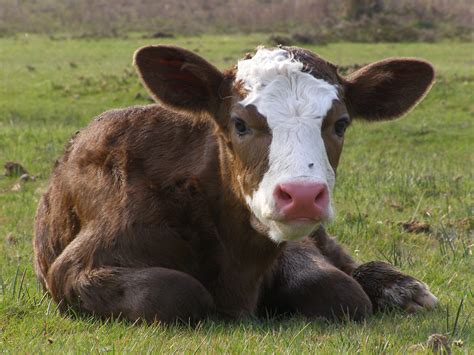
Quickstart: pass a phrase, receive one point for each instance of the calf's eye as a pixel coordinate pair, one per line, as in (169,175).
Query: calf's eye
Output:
(340,126)
(240,126)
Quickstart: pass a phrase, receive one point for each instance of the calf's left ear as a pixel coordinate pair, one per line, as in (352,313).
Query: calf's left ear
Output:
(387,89)
(179,78)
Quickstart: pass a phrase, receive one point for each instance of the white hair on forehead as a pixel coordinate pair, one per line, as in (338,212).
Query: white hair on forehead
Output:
(264,66)
(277,85)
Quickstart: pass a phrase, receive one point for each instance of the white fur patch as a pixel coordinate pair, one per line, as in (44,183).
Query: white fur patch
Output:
(295,104)
(412,296)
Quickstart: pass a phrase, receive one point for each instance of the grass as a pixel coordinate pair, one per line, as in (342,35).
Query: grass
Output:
(418,168)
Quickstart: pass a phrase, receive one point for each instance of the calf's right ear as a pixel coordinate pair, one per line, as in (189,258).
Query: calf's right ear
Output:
(179,78)
(387,89)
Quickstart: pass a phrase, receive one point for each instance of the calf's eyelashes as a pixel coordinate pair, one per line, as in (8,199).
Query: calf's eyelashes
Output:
(240,126)
(341,125)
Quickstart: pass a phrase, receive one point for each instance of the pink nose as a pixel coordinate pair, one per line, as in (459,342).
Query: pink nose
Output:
(302,200)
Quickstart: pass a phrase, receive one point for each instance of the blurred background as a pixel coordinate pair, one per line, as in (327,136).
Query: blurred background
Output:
(302,21)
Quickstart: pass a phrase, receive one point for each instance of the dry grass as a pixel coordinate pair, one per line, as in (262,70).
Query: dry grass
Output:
(433,19)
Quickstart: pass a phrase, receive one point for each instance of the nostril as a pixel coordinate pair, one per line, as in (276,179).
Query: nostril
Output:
(283,195)
(321,197)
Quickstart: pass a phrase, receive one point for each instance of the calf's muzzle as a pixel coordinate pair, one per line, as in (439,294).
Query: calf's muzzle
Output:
(300,201)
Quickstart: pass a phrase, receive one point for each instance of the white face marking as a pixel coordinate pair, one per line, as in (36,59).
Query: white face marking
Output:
(295,104)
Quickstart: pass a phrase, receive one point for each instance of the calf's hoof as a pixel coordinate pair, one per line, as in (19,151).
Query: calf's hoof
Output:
(389,288)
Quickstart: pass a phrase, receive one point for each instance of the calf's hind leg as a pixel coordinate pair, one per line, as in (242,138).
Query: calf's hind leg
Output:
(151,294)
(303,282)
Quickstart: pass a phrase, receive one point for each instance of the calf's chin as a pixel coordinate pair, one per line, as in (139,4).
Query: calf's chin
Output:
(287,231)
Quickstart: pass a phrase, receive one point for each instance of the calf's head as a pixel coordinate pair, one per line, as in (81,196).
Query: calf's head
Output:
(282,114)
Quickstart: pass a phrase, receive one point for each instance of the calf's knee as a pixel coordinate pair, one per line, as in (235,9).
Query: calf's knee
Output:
(327,293)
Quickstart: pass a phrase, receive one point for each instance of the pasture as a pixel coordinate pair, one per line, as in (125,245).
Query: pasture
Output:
(404,195)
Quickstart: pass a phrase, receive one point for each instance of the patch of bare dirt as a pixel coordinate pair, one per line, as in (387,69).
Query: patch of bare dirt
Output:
(415,226)
(14,169)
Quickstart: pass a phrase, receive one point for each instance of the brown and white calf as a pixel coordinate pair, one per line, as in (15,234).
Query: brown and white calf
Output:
(214,203)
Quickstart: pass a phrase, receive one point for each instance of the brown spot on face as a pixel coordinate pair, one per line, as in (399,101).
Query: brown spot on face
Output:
(251,149)
(332,142)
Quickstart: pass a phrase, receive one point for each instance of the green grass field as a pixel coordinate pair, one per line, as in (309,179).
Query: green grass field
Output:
(417,168)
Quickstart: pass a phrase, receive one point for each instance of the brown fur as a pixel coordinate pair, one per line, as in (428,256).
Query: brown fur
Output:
(145,218)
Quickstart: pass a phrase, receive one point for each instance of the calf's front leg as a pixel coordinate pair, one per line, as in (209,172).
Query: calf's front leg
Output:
(386,286)
(389,288)
(303,282)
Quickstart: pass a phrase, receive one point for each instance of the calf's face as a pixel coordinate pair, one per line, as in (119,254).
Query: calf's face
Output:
(283,113)
(288,120)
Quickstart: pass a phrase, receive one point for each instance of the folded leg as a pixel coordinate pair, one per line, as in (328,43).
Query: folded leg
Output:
(149,293)
(304,282)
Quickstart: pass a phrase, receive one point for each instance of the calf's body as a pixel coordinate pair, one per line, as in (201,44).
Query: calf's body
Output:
(179,212)
(154,205)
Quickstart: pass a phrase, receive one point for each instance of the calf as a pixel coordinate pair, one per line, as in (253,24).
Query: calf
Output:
(213,203)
